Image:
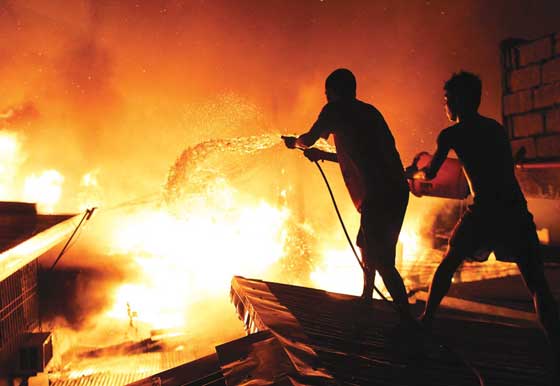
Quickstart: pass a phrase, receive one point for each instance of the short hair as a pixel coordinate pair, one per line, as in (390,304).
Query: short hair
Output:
(342,82)
(466,85)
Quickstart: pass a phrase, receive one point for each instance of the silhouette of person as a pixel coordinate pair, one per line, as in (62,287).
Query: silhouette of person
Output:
(498,220)
(373,174)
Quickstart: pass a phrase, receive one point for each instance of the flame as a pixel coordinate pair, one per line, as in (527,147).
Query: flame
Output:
(411,243)
(90,194)
(45,189)
(89,180)
(10,158)
(340,272)
(184,260)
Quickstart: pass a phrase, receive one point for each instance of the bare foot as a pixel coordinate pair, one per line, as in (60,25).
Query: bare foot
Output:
(367,293)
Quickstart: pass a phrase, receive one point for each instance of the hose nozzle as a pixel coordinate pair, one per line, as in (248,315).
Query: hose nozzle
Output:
(290,141)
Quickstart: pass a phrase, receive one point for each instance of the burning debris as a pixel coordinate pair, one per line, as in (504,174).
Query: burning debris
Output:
(168,262)
(89,116)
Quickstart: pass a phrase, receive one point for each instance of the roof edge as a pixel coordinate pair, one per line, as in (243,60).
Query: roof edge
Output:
(21,254)
(259,309)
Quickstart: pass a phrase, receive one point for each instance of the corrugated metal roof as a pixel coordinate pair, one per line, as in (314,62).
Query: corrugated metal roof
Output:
(304,336)
(119,370)
(509,291)
(361,345)
(203,371)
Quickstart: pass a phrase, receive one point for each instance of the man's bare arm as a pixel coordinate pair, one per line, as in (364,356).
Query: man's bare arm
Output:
(439,157)
(327,156)
(314,155)
(320,129)
(308,139)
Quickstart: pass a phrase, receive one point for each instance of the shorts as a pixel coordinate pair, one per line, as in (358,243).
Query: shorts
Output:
(508,232)
(380,224)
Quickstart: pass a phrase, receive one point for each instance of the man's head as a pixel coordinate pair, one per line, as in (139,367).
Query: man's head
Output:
(462,95)
(340,84)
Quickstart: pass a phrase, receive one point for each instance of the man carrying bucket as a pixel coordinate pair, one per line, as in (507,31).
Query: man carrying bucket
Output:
(373,173)
(498,220)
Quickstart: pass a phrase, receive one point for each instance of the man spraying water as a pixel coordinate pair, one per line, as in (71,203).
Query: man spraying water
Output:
(373,173)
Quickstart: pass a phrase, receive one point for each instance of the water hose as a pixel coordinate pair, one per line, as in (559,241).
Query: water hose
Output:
(467,364)
(346,231)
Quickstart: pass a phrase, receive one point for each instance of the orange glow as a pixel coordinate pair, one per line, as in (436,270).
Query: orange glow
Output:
(339,271)
(90,194)
(184,260)
(10,159)
(45,189)
(411,243)
(101,97)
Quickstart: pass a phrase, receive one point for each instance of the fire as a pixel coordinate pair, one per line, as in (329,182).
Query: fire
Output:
(340,272)
(89,179)
(90,194)
(10,158)
(410,243)
(181,261)
(45,189)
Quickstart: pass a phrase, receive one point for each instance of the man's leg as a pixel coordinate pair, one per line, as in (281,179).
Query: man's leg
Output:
(368,268)
(546,307)
(395,285)
(440,284)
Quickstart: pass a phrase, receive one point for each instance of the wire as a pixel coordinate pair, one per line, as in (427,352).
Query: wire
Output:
(85,217)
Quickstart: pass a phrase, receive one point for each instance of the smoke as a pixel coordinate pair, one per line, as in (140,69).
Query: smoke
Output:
(76,293)
(18,115)
(124,88)
(112,86)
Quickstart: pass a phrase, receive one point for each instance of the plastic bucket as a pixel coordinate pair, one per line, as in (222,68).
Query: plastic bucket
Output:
(450,181)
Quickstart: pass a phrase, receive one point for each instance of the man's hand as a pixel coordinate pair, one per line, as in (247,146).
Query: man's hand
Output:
(410,171)
(289,141)
(428,174)
(313,154)
(413,173)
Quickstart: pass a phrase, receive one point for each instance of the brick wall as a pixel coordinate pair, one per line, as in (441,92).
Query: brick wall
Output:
(531,95)
(531,108)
